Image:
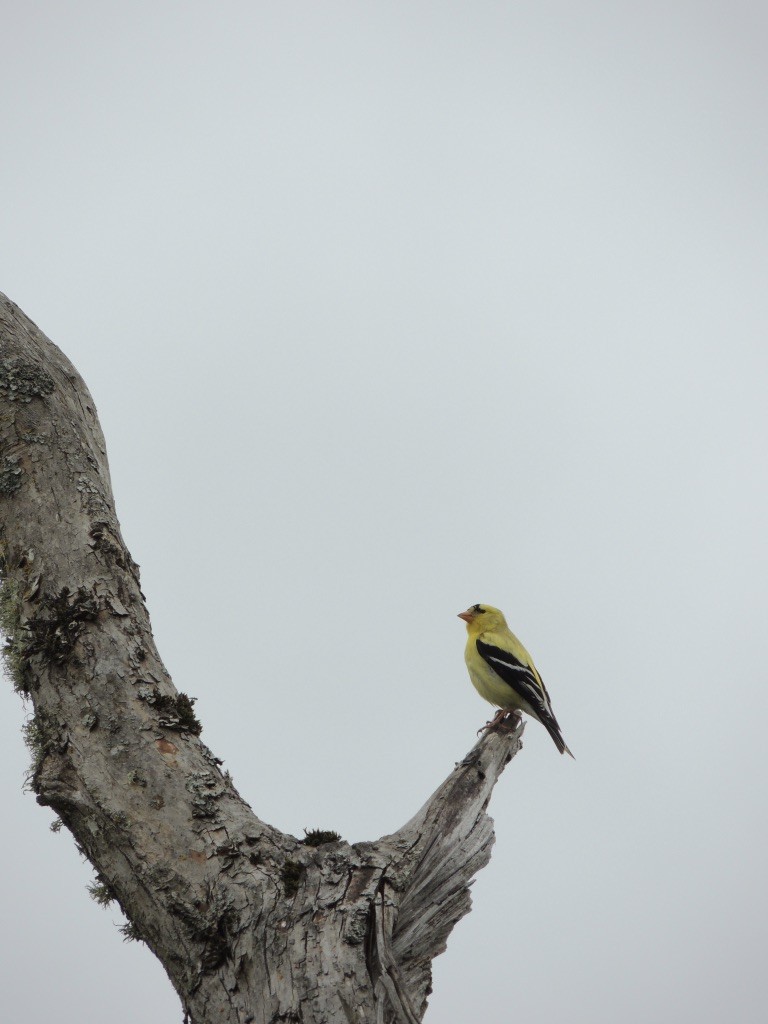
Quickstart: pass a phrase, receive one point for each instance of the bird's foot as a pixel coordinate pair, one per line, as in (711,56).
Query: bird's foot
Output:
(505,719)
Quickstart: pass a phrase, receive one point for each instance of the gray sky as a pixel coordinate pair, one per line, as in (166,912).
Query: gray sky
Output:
(387,309)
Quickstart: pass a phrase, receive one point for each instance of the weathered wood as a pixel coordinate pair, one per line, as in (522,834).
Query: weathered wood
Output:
(251,925)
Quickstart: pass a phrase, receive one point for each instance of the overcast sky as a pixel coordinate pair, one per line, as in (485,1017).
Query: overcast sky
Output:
(388,308)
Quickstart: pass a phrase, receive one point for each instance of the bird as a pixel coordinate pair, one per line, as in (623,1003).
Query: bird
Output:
(503,673)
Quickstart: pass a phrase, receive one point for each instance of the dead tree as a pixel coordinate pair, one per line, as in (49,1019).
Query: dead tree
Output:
(250,924)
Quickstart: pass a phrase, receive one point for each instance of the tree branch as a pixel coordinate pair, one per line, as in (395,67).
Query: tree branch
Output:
(251,925)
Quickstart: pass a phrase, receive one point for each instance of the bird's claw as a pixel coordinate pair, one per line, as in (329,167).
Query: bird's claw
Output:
(510,719)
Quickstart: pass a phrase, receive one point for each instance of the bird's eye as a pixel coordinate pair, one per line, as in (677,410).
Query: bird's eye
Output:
(477,609)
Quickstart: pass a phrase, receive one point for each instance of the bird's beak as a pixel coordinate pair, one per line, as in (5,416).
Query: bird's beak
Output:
(467,616)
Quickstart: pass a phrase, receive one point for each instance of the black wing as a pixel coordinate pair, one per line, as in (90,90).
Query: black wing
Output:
(516,674)
(526,684)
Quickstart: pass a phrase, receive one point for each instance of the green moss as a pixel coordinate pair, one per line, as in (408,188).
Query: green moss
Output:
(51,634)
(54,632)
(101,891)
(15,648)
(184,708)
(175,713)
(317,836)
(130,932)
(291,877)
(21,381)
(40,736)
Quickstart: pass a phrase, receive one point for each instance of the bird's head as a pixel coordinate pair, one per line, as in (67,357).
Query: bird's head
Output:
(482,617)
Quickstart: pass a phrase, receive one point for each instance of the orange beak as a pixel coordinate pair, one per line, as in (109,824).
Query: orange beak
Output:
(467,615)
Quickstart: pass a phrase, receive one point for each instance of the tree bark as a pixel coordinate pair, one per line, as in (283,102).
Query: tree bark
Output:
(250,924)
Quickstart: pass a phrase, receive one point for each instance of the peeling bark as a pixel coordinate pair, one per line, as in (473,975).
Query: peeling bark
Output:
(250,924)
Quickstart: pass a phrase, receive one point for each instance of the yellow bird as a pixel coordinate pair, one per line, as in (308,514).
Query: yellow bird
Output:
(502,671)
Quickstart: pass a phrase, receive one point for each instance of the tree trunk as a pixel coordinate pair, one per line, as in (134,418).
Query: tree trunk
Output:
(251,925)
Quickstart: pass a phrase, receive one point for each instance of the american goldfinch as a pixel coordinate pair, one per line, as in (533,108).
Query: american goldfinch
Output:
(502,671)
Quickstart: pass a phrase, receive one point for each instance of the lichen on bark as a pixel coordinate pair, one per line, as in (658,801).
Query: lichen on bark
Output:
(252,925)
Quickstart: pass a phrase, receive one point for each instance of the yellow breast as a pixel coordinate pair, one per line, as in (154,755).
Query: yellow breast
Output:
(488,684)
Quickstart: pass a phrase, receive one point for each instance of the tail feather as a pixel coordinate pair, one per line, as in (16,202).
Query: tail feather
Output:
(550,724)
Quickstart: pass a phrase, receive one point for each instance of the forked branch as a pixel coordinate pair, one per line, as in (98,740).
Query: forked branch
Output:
(251,925)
